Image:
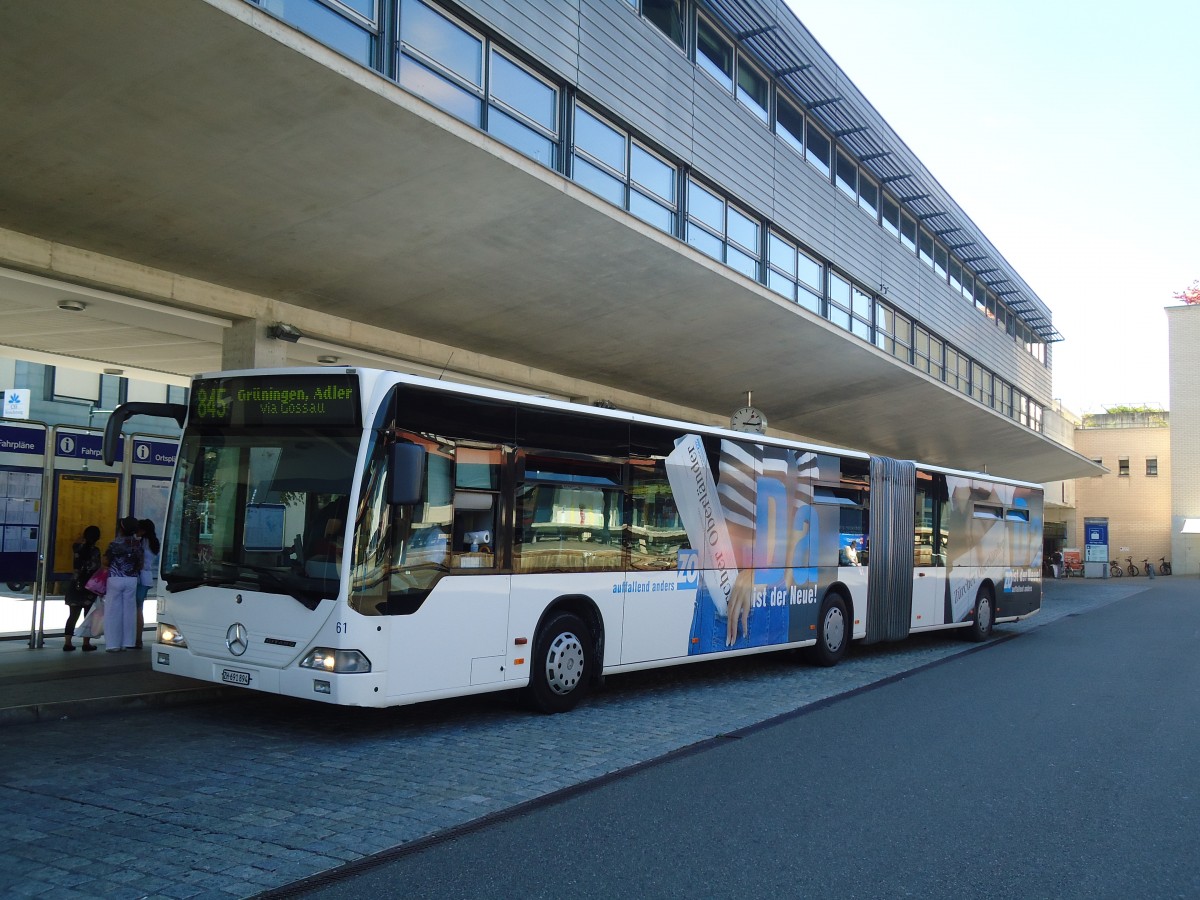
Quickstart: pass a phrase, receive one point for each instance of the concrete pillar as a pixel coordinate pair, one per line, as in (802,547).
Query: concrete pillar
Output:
(248,346)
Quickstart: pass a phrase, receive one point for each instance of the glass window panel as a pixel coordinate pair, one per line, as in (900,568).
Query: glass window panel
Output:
(847,175)
(809,300)
(651,212)
(440,91)
(940,259)
(705,242)
(743,230)
(903,330)
(861,328)
(908,231)
(442,40)
(839,290)
(808,271)
(714,54)
(868,194)
(521,137)
(925,247)
(600,181)
(667,16)
(781,254)
(861,304)
(326,26)
(885,319)
(781,284)
(968,285)
(955,275)
(744,263)
(706,207)
(599,139)
(522,91)
(891,215)
(651,172)
(839,317)
(365,8)
(789,124)
(922,342)
(753,90)
(817,148)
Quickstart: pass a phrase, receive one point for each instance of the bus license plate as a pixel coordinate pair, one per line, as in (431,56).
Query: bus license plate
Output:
(232,676)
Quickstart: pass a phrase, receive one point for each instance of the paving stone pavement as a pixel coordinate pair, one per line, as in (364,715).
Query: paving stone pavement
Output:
(228,800)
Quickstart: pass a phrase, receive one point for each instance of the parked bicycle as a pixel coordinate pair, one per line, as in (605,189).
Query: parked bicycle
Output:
(1164,567)
(1130,568)
(1149,567)
(1114,569)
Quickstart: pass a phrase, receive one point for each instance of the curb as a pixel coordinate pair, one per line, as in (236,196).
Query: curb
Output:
(79,709)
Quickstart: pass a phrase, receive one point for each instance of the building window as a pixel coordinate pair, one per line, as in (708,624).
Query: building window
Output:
(839,301)
(665,15)
(890,215)
(522,110)
(868,195)
(443,62)
(609,163)
(817,147)
(908,231)
(846,176)
(789,124)
(347,26)
(1123,466)
(1151,466)
(793,273)
(861,313)
(753,90)
(714,54)
(722,231)
(893,332)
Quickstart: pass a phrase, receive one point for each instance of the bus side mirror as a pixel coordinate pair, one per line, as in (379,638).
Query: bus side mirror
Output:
(408,473)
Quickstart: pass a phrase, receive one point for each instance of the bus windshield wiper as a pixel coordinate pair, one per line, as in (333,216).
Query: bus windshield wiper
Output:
(176,582)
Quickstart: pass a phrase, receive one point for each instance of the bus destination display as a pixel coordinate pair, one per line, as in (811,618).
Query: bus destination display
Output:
(275,400)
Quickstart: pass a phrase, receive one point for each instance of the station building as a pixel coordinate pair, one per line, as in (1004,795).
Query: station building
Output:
(673,206)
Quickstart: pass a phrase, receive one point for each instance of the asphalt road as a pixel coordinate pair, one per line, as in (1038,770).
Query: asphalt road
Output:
(1063,764)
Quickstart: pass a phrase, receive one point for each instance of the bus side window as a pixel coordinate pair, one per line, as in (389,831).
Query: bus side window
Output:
(476,503)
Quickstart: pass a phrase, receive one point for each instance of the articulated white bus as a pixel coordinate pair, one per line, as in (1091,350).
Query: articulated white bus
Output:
(369,538)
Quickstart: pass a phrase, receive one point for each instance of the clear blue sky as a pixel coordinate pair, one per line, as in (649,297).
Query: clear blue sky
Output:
(1069,132)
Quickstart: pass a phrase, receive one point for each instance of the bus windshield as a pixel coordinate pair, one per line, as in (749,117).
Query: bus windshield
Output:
(261,509)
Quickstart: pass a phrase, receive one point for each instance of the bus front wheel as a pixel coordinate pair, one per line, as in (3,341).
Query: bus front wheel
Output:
(562,664)
(980,628)
(833,631)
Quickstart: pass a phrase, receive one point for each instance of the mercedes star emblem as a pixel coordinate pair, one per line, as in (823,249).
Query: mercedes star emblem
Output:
(235,639)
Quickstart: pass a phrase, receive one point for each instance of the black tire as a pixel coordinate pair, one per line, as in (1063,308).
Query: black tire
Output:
(563,657)
(1134,570)
(833,632)
(18,587)
(1115,571)
(1164,568)
(982,617)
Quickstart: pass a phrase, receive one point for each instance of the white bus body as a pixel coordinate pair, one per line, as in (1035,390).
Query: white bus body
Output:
(368,538)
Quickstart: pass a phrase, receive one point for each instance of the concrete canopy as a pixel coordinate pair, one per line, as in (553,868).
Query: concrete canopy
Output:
(215,142)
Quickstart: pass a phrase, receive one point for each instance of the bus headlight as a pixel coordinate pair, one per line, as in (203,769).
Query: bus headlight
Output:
(169,634)
(342,661)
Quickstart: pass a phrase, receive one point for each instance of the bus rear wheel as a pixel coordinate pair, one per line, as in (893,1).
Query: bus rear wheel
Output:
(833,632)
(562,664)
(980,628)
